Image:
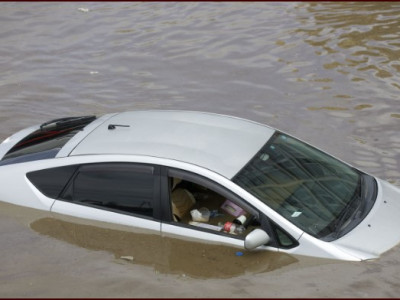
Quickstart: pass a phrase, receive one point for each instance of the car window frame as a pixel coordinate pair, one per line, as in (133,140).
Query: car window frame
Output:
(166,207)
(156,216)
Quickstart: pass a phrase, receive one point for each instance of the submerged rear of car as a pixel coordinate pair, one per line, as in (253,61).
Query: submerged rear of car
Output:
(332,209)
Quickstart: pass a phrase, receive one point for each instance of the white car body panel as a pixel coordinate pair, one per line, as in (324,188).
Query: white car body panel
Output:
(12,140)
(171,230)
(310,246)
(379,231)
(86,212)
(193,234)
(20,190)
(189,137)
(74,141)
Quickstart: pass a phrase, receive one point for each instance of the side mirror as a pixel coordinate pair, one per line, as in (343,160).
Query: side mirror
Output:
(256,238)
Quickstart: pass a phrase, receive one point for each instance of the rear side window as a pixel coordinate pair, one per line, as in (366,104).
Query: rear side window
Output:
(122,187)
(47,141)
(52,181)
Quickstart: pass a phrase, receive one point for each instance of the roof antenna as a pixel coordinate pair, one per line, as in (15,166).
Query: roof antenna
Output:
(112,126)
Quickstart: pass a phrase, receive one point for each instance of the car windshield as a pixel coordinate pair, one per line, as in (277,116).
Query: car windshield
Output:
(316,192)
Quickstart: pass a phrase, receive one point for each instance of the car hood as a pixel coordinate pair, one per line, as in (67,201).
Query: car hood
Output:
(380,230)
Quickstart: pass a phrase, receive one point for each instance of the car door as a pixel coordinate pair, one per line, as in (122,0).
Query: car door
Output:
(224,206)
(114,192)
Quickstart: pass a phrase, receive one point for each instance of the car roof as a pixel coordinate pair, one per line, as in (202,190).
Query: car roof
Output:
(222,144)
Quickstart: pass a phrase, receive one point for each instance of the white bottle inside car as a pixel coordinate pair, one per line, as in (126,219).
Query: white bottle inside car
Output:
(240,220)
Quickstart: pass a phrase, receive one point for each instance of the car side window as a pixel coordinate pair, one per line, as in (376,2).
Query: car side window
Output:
(122,187)
(200,203)
(51,182)
(203,207)
(284,239)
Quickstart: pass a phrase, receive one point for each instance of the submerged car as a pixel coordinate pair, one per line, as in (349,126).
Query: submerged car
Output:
(202,176)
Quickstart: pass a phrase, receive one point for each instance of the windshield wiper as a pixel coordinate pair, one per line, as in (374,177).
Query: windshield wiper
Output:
(68,122)
(352,209)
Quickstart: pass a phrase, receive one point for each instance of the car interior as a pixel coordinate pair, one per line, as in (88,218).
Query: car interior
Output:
(197,205)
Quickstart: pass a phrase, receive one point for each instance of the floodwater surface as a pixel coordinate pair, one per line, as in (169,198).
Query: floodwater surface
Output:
(166,255)
(325,72)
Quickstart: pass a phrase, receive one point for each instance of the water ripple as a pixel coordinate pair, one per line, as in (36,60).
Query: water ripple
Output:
(291,65)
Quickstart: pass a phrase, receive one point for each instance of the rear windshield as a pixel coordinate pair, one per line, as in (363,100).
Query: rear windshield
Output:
(47,141)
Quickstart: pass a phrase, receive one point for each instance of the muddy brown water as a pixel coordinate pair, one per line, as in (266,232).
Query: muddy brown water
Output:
(325,72)
(167,255)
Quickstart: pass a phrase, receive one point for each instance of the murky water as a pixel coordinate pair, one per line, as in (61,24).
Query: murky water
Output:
(166,255)
(325,72)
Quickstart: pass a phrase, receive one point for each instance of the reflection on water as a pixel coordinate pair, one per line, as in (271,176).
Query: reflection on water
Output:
(166,255)
(360,37)
(333,108)
(355,47)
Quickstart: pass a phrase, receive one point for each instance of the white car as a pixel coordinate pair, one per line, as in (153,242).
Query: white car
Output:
(202,176)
